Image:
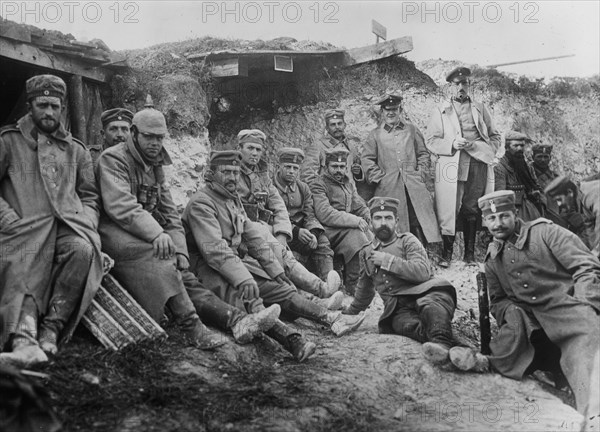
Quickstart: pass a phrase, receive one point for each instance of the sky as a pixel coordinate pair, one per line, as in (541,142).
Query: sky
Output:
(481,32)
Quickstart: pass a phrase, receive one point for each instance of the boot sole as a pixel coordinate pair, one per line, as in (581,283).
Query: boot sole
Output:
(335,301)
(436,353)
(261,322)
(307,351)
(333,283)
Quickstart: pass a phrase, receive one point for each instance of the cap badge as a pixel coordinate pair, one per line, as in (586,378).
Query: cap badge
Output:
(46,92)
(492,206)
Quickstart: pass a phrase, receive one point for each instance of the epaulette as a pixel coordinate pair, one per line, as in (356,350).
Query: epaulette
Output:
(9,128)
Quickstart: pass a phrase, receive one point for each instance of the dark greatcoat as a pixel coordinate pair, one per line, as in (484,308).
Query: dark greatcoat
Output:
(506,179)
(546,279)
(397,162)
(339,208)
(43,180)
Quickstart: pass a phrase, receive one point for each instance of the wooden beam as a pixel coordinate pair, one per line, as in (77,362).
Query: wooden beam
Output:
(378,51)
(77,108)
(31,55)
(229,67)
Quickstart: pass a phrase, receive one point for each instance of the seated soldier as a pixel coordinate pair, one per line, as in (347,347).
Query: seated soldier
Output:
(579,209)
(141,230)
(263,204)
(309,240)
(50,259)
(343,214)
(416,304)
(543,286)
(218,234)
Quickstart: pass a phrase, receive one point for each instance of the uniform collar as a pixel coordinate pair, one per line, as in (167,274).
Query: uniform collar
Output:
(330,177)
(220,190)
(249,169)
(30,131)
(518,239)
(284,186)
(462,100)
(163,157)
(378,243)
(389,128)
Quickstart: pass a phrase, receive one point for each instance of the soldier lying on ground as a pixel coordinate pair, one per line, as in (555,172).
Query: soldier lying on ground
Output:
(219,233)
(416,304)
(141,230)
(263,204)
(544,294)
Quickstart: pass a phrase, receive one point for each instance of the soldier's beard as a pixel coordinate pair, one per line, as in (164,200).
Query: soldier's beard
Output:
(383,233)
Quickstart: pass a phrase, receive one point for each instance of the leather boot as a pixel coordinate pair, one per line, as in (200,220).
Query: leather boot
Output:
(469,235)
(292,341)
(252,325)
(25,349)
(467,359)
(352,270)
(448,246)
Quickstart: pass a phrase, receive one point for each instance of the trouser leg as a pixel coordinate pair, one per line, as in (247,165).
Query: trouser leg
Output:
(436,309)
(413,221)
(352,273)
(298,306)
(210,308)
(406,320)
(299,275)
(72,261)
(26,331)
(470,236)
(323,257)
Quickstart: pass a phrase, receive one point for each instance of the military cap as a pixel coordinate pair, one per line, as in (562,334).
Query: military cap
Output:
(542,149)
(255,136)
(383,204)
(459,74)
(336,155)
(516,136)
(225,157)
(45,85)
(497,202)
(116,114)
(150,121)
(560,185)
(334,114)
(291,155)
(389,100)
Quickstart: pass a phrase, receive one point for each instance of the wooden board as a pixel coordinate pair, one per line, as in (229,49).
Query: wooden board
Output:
(378,51)
(229,67)
(29,54)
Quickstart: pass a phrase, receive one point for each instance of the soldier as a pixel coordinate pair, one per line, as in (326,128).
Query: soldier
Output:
(396,161)
(416,304)
(219,233)
(343,214)
(542,154)
(263,204)
(309,238)
(514,173)
(578,209)
(50,263)
(462,134)
(334,136)
(543,286)
(116,125)
(141,229)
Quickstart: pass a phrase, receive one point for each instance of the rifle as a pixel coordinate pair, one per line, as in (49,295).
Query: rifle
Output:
(484,313)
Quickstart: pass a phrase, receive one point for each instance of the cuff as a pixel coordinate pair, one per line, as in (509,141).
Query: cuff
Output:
(388,262)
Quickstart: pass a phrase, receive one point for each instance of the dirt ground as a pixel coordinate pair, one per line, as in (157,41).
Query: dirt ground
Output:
(361,382)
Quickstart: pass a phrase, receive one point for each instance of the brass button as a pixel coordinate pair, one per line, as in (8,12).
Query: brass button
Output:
(533,298)
(525,285)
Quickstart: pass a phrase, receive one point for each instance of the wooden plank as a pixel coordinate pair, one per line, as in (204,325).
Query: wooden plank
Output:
(378,51)
(34,56)
(229,67)
(78,119)
(378,29)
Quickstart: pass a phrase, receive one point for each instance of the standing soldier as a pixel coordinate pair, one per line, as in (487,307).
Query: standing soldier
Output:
(50,262)
(343,214)
(462,134)
(514,173)
(334,136)
(416,304)
(396,161)
(141,229)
